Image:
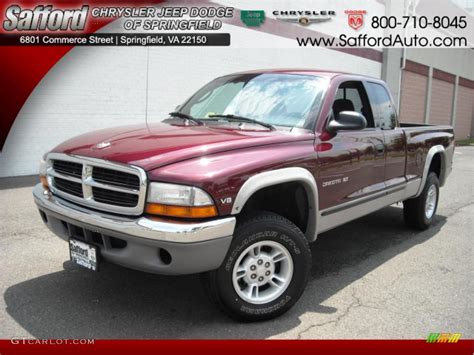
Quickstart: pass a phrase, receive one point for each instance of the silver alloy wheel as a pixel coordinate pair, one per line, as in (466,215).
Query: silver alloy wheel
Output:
(262,272)
(430,203)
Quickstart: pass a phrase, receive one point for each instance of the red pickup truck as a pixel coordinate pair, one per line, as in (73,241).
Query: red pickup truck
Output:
(240,179)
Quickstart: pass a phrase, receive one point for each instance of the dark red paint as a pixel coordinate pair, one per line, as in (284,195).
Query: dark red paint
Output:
(155,145)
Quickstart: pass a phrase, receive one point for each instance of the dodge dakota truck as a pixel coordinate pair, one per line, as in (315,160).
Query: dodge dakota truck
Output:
(240,179)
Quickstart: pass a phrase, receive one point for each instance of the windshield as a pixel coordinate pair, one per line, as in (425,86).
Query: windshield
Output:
(277,99)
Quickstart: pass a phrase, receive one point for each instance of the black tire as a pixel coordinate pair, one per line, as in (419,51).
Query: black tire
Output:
(258,229)
(414,209)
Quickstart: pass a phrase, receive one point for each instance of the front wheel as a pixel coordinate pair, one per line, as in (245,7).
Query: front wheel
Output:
(265,270)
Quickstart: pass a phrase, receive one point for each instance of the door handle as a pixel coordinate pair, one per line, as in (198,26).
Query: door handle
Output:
(379,149)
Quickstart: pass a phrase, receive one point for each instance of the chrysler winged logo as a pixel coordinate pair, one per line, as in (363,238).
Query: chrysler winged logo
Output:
(355,18)
(102,145)
(304,17)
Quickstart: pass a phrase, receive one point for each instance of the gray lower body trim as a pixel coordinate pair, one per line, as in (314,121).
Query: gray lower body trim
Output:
(140,253)
(141,243)
(335,216)
(361,201)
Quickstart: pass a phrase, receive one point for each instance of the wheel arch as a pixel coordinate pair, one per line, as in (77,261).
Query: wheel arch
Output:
(276,177)
(437,155)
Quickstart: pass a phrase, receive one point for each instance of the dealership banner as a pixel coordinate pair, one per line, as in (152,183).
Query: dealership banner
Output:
(334,24)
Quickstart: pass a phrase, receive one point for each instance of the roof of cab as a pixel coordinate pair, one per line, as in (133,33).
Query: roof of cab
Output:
(293,71)
(304,71)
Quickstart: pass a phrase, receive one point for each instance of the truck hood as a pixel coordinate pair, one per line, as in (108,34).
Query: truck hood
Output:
(154,145)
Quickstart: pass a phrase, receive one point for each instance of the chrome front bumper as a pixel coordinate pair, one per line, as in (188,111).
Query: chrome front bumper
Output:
(141,227)
(194,247)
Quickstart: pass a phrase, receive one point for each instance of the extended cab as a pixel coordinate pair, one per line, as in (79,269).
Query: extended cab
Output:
(240,179)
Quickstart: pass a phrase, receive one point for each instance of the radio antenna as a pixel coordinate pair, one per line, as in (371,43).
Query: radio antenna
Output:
(146,84)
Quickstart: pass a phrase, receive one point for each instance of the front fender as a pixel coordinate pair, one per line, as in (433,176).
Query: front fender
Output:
(224,175)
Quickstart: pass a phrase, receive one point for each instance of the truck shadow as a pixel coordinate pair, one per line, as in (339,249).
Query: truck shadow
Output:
(122,303)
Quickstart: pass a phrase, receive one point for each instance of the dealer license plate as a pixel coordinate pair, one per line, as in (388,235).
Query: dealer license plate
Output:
(83,254)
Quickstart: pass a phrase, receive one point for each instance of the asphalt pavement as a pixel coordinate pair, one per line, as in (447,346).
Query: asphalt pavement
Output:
(371,278)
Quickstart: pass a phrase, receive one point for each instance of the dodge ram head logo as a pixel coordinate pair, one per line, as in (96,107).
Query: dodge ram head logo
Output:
(355,18)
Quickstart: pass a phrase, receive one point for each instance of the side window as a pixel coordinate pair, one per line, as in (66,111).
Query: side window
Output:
(351,96)
(382,107)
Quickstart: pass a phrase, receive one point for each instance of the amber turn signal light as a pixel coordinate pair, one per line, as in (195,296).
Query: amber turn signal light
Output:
(181,211)
(44,181)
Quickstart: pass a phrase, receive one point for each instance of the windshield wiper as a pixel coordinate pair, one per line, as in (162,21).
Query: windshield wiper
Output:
(185,116)
(243,119)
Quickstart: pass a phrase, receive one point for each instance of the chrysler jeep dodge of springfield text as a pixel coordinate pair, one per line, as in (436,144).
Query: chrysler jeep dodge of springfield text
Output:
(240,179)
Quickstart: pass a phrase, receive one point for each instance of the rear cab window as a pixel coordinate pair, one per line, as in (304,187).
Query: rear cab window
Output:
(384,113)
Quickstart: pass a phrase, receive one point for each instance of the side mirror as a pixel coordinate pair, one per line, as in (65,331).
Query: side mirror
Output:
(347,120)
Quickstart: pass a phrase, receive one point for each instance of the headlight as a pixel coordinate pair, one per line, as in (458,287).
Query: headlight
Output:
(179,201)
(43,170)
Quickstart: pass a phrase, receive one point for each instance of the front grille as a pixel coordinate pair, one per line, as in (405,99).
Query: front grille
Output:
(97,183)
(68,168)
(69,187)
(116,178)
(114,197)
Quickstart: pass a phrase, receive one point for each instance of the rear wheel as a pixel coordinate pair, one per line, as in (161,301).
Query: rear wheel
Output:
(265,271)
(419,212)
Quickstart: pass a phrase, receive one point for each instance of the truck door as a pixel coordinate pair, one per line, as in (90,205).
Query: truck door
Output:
(354,166)
(385,118)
